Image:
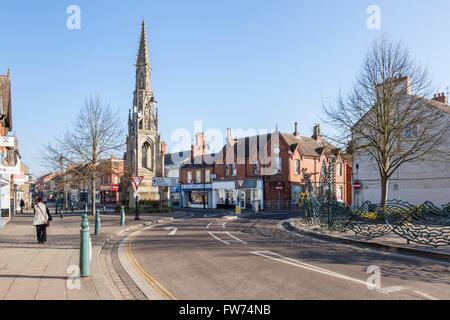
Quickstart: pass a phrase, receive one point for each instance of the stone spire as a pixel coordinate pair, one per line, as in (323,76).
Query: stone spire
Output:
(142,56)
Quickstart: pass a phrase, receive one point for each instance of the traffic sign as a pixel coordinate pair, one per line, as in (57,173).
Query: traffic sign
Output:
(6,141)
(137,181)
(279,187)
(357,185)
(165,182)
(240,183)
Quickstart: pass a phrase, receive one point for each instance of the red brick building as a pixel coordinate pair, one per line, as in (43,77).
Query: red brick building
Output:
(111,173)
(249,170)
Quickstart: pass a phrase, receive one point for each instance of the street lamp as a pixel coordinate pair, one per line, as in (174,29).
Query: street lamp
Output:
(136,130)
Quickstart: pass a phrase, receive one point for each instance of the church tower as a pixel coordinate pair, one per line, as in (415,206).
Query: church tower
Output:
(145,154)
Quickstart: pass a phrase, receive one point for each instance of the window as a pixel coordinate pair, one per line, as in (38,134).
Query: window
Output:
(411,131)
(277,168)
(234,170)
(116,179)
(339,169)
(256,167)
(189,177)
(116,166)
(144,155)
(198,177)
(339,193)
(297,167)
(207,176)
(227,170)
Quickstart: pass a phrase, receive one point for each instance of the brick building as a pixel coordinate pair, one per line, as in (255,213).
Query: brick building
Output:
(248,170)
(110,175)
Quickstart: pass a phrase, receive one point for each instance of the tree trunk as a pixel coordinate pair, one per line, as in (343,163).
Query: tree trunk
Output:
(384,190)
(93,196)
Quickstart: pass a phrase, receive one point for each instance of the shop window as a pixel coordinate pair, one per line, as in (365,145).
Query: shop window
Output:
(197,197)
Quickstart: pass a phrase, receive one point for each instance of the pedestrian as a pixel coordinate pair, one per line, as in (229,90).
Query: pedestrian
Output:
(227,203)
(42,217)
(22,204)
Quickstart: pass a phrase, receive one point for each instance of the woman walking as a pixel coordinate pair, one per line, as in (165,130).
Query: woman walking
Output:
(41,220)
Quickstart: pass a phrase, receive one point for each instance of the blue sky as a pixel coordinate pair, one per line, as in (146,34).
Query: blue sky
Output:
(239,64)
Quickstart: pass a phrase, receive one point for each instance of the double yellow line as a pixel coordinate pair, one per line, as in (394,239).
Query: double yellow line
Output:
(155,284)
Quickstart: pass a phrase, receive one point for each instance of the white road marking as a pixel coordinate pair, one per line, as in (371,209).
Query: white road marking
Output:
(236,238)
(425,295)
(209,224)
(296,263)
(224,224)
(217,238)
(392,289)
(173,232)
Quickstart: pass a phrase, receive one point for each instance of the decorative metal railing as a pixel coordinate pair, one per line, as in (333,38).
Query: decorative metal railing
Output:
(425,224)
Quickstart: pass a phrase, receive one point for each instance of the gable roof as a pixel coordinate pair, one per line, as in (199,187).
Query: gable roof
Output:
(309,146)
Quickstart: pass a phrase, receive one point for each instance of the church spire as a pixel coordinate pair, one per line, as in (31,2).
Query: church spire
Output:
(142,56)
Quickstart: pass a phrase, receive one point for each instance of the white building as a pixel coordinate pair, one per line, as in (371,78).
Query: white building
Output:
(414,182)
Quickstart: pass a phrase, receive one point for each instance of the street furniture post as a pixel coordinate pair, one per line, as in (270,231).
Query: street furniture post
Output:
(85,248)
(97,222)
(122,216)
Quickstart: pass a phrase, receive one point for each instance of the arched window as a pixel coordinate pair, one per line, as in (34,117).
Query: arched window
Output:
(144,155)
(147,159)
(339,169)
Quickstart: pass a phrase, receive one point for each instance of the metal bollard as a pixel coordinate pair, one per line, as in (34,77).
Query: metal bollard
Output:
(85,248)
(97,222)
(72,206)
(56,209)
(122,216)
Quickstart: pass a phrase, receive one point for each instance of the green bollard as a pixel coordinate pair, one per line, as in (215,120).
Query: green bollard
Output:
(85,248)
(122,216)
(97,222)
(56,209)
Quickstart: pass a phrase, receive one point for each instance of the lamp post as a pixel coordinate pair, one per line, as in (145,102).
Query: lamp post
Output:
(138,116)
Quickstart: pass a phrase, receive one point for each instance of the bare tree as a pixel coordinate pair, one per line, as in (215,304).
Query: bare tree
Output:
(93,136)
(385,118)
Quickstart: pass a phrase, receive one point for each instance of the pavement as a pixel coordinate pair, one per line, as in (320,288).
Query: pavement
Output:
(32,271)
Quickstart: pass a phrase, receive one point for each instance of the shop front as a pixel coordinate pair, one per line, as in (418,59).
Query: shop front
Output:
(197,195)
(175,197)
(248,193)
(109,194)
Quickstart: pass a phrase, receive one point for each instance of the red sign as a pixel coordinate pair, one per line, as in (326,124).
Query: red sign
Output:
(137,181)
(279,187)
(357,185)
(114,187)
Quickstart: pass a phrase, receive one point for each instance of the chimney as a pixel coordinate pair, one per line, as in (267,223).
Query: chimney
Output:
(163,147)
(441,98)
(229,135)
(296,133)
(398,84)
(9,74)
(316,135)
(198,148)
